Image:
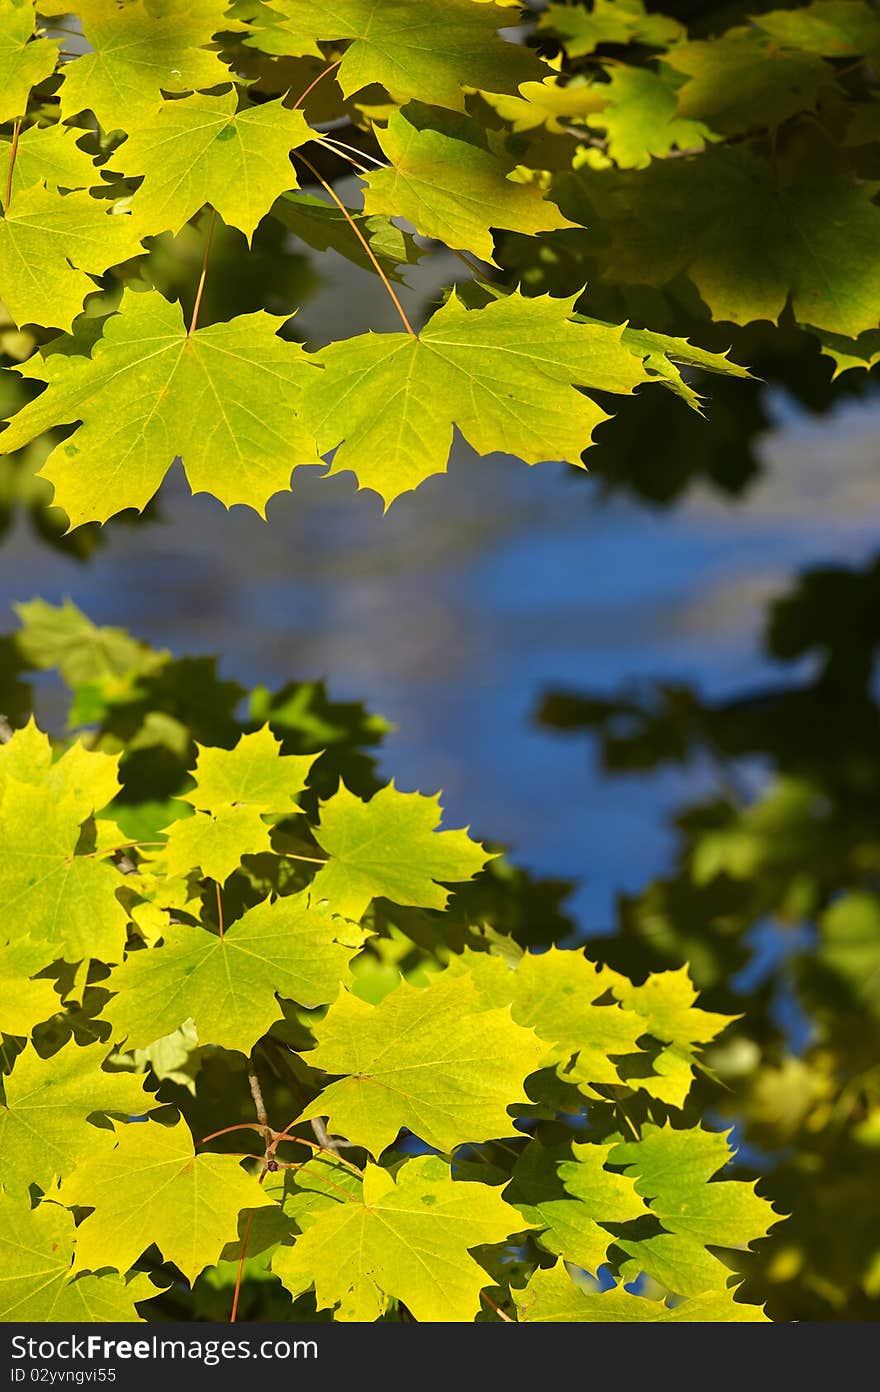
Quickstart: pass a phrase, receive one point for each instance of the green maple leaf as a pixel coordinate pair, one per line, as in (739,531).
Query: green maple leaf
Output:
(227,986)
(44,1127)
(389,847)
(51,155)
(50,248)
(552,1297)
(672,1170)
(22,63)
(214,844)
(555,993)
(736,83)
(642,118)
(224,398)
(140,1183)
(86,779)
(203,150)
(666,1004)
(24,1002)
(36,1251)
(395,398)
(452,190)
(62,637)
(430,51)
(139,53)
(254,774)
(753,246)
(569,1199)
(406,1235)
(608,21)
(64,900)
(832,28)
(435,1061)
(664,357)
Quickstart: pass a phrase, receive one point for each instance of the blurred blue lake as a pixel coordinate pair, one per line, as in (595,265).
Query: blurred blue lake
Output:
(452,614)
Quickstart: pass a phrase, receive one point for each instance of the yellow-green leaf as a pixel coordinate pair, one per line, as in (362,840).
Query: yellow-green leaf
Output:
(452,190)
(433,1061)
(227,986)
(204,150)
(147,1185)
(406,1235)
(224,398)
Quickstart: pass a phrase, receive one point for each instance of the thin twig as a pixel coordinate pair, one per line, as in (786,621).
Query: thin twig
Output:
(499,1312)
(257,1094)
(363,241)
(312,85)
(322,1136)
(13,151)
(219,908)
(198,304)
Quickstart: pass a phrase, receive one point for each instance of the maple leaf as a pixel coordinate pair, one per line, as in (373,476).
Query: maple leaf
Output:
(22,63)
(51,245)
(554,993)
(389,847)
(138,54)
(224,398)
(51,155)
(568,1199)
(832,28)
(406,1235)
(419,1060)
(548,103)
(753,245)
(85,779)
(608,21)
(139,1181)
(552,1297)
(395,398)
(23,1001)
(202,150)
(227,986)
(666,1003)
(64,900)
(214,844)
(642,118)
(663,356)
(254,773)
(44,1127)
(36,1250)
(430,51)
(731,77)
(452,190)
(63,637)
(672,1170)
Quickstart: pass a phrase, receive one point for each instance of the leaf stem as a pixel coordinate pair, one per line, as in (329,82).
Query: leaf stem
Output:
(363,241)
(219,909)
(312,85)
(240,1273)
(13,151)
(202,278)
